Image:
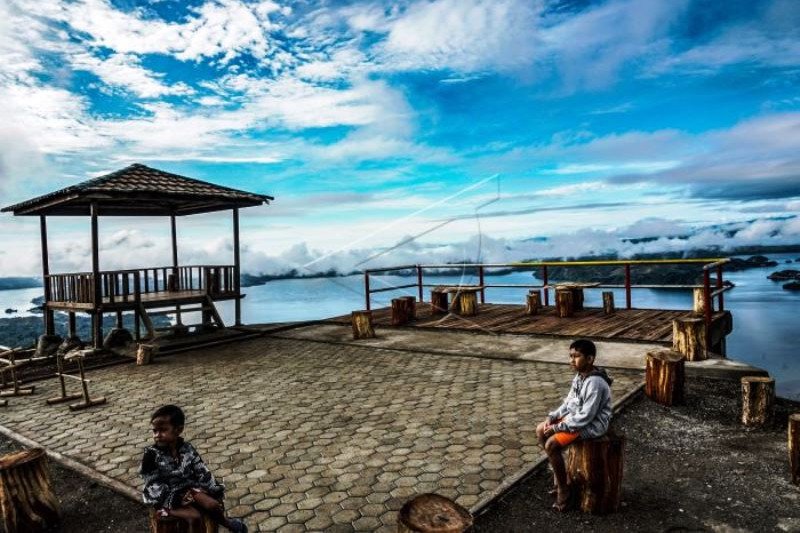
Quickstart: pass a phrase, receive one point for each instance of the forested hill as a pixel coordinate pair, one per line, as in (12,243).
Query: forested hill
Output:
(19,283)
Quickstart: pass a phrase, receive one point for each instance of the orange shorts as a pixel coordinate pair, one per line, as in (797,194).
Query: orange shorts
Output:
(564,438)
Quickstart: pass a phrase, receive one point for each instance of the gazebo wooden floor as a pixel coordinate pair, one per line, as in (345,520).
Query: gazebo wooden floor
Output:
(644,325)
(149,300)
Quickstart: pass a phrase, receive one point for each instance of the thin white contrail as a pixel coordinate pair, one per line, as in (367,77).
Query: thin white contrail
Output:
(400,220)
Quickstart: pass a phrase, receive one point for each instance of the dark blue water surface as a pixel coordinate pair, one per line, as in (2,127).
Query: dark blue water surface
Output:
(765,334)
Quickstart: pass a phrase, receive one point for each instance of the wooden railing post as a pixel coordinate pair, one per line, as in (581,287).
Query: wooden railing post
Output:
(366,290)
(628,286)
(719,288)
(708,309)
(419,284)
(480,282)
(544,282)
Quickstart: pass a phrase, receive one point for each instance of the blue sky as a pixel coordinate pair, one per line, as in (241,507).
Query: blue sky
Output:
(461,128)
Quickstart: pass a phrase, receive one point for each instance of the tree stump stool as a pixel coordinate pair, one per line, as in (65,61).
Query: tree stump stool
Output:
(432,513)
(664,377)
(465,303)
(27,502)
(794,447)
(758,399)
(564,303)
(608,302)
(145,354)
(699,301)
(689,338)
(594,472)
(362,325)
(439,301)
(411,303)
(402,310)
(533,302)
(171,524)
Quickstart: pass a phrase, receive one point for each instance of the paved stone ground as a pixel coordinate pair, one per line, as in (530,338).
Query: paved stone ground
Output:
(310,436)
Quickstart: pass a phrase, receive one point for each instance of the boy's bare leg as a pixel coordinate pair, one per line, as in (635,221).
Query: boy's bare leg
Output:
(540,434)
(211,506)
(553,450)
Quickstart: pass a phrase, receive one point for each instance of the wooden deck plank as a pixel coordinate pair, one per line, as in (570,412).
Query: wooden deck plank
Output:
(648,325)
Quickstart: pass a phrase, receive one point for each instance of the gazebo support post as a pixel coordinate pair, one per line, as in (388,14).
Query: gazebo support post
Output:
(97,315)
(174,229)
(49,320)
(236,268)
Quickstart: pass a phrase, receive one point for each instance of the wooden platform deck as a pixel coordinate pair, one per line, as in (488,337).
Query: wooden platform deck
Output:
(643,325)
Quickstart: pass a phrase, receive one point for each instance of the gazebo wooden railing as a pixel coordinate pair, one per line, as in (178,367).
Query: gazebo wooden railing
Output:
(76,290)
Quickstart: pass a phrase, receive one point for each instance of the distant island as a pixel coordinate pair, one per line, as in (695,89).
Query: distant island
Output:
(13,283)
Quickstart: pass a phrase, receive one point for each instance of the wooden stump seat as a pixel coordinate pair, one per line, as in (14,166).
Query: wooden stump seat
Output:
(439,301)
(403,310)
(533,302)
(432,513)
(664,377)
(794,447)
(565,306)
(594,472)
(170,524)
(362,325)
(27,502)
(689,338)
(758,400)
(608,302)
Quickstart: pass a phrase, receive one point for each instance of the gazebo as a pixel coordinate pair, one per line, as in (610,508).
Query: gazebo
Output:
(139,190)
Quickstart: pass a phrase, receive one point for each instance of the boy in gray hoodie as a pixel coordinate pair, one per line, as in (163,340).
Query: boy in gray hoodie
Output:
(585,413)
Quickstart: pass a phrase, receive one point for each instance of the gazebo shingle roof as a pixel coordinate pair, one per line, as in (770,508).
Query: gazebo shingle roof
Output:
(139,190)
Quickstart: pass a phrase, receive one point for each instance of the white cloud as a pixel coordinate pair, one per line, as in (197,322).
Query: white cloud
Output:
(125,70)
(465,35)
(590,48)
(220,29)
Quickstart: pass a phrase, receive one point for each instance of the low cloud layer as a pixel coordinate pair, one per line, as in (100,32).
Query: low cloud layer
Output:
(132,249)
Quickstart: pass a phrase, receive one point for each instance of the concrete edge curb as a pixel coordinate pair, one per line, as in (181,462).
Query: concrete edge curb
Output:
(509,483)
(72,464)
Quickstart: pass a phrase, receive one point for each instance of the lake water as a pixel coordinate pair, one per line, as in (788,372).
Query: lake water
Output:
(766,329)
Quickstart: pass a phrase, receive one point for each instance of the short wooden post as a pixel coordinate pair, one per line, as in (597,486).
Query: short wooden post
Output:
(664,377)
(594,472)
(411,303)
(145,354)
(432,513)
(699,301)
(438,301)
(758,399)
(362,325)
(689,338)
(608,302)
(577,299)
(794,447)
(533,302)
(564,303)
(467,303)
(403,310)
(27,502)
(170,524)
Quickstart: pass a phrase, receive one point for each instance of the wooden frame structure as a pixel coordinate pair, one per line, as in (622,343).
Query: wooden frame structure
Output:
(138,190)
